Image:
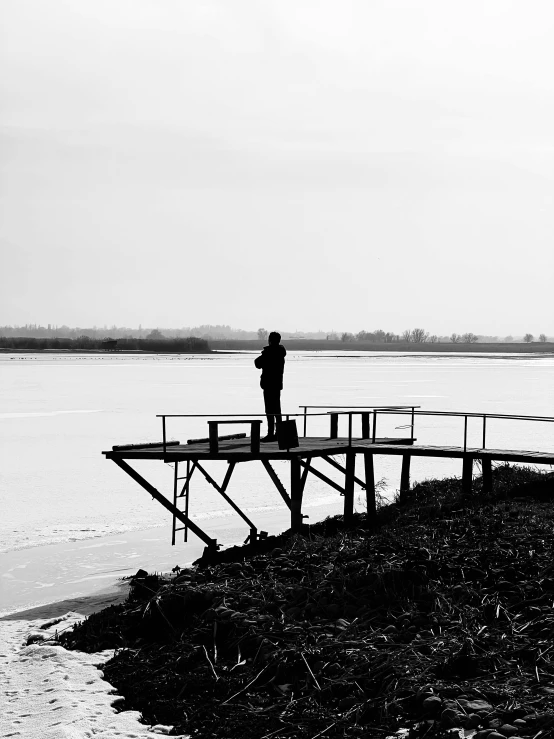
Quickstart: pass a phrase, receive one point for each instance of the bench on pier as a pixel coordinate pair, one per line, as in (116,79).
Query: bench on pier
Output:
(255,424)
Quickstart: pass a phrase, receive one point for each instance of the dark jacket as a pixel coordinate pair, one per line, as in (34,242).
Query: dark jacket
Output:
(272,364)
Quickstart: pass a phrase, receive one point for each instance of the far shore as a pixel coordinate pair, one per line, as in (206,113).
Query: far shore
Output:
(397,346)
(230,345)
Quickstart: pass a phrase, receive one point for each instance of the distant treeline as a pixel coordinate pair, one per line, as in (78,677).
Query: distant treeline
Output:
(223,333)
(397,346)
(189,344)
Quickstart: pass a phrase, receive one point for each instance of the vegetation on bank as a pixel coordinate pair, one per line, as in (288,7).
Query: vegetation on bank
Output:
(435,618)
(189,344)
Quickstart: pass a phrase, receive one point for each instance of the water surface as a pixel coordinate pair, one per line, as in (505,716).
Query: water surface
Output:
(58,412)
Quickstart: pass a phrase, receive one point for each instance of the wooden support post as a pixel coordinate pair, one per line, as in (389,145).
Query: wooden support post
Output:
(349,487)
(365,425)
(405,477)
(295,495)
(487,474)
(371,503)
(334,425)
(255,437)
(305,473)
(214,442)
(467,475)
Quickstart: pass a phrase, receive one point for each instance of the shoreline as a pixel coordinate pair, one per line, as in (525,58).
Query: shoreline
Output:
(403,622)
(293,607)
(35,577)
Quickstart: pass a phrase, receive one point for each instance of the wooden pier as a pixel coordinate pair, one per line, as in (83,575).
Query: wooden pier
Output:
(239,448)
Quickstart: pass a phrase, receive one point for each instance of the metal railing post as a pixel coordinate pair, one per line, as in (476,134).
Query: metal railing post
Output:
(374,426)
(484,430)
(305,418)
(465,433)
(163,434)
(413,422)
(349,429)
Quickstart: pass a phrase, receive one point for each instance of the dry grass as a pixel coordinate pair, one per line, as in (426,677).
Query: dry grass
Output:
(350,632)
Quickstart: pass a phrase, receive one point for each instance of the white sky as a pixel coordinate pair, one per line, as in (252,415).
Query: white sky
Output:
(339,164)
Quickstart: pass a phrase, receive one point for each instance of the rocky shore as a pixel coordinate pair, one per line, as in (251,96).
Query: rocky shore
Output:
(435,621)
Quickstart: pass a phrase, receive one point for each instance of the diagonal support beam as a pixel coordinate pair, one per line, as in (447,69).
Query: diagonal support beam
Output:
(321,476)
(338,466)
(212,543)
(223,487)
(278,484)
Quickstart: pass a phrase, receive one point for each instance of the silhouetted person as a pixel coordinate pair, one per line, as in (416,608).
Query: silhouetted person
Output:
(272,364)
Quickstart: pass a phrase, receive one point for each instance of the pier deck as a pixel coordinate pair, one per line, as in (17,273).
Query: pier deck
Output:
(239,451)
(336,451)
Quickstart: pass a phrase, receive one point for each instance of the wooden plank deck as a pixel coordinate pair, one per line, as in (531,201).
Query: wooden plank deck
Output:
(458,452)
(238,450)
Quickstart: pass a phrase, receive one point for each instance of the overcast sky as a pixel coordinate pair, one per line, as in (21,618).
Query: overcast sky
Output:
(333,164)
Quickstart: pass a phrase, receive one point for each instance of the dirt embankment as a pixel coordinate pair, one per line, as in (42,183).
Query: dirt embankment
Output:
(438,618)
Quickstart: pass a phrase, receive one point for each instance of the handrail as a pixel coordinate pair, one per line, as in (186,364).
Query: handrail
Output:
(163,416)
(234,415)
(363,410)
(513,417)
(358,407)
(465,416)
(304,415)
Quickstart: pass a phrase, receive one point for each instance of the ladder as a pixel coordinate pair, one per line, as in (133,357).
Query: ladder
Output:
(181,494)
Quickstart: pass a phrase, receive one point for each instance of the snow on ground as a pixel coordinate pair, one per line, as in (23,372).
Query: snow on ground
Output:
(48,692)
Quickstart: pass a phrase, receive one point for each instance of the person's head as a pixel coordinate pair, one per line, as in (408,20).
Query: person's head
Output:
(274,338)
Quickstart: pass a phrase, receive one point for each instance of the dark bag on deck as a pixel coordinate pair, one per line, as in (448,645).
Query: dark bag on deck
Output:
(287,435)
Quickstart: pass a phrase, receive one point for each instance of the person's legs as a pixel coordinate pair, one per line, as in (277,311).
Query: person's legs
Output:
(272,402)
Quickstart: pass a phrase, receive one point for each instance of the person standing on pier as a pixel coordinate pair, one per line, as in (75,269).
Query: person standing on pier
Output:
(272,364)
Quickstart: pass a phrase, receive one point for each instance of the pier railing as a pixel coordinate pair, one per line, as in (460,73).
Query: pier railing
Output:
(237,416)
(364,411)
(327,411)
(369,419)
(459,414)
